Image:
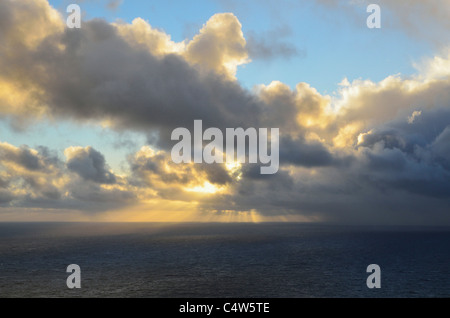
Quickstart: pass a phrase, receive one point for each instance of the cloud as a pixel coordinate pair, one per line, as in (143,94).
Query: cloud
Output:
(427,20)
(140,34)
(357,157)
(151,167)
(155,170)
(38,178)
(219,46)
(424,20)
(89,164)
(107,73)
(437,67)
(27,172)
(5,197)
(23,156)
(270,45)
(19,17)
(113,4)
(301,152)
(440,148)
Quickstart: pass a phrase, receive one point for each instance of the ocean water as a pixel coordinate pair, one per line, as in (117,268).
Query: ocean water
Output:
(222,260)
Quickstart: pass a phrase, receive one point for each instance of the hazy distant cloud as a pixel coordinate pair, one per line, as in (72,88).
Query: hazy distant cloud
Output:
(87,196)
(5,197)
(113,4)
(426,20)
(271,45)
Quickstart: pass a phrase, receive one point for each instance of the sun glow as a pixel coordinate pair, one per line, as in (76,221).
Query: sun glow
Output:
(205,188)
(234,168)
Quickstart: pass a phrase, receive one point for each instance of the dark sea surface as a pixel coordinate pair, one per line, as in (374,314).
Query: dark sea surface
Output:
(222,260)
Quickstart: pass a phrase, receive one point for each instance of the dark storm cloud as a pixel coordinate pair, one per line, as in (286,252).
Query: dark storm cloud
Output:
(407,155)
(397,174)
(216,173)
(440,149)
(425,139)
(302,153)
(405,135)
(89,164)
(278,181)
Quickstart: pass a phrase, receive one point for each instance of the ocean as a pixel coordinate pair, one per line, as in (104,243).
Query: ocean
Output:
(197,260)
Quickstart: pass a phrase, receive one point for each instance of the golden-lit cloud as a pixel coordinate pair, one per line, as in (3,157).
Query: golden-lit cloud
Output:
(437,67)
(141,34)
(28,23)
(363,104)
(220,45)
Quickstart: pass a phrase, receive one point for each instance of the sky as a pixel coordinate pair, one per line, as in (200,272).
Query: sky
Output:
(86,114)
